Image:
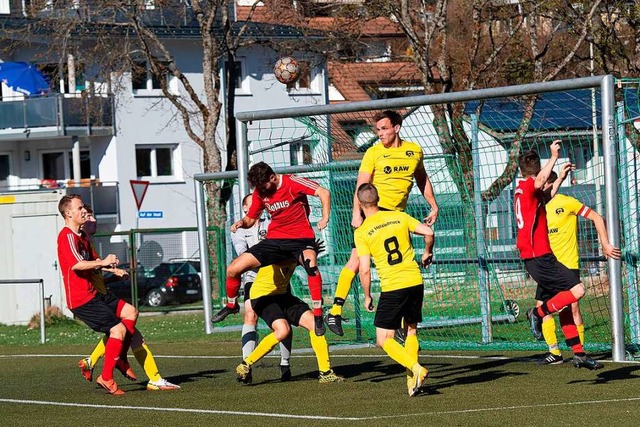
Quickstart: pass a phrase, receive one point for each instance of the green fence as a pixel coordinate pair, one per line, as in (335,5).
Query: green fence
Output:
(152,257)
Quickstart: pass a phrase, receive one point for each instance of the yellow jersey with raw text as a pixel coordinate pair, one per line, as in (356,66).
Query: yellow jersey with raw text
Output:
(392,172)
(385,237)
(272,280)
(562,224)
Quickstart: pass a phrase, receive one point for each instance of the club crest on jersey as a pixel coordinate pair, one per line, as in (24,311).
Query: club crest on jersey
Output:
(277,205)
(559,211)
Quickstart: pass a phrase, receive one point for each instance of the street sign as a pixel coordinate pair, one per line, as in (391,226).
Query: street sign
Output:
(150,214)
(139,189)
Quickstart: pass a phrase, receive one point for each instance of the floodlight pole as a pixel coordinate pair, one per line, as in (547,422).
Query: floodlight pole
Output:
(610,152)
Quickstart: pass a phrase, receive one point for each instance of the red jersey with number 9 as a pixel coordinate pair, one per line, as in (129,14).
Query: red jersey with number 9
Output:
(531,218)
(288,207)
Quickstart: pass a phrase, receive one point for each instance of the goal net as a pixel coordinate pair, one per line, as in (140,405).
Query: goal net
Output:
(476,290)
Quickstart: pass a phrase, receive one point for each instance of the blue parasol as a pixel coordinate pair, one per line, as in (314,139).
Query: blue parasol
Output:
(24,78)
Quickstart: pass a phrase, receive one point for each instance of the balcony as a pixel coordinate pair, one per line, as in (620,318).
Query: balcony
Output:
(56,115)
(103,197)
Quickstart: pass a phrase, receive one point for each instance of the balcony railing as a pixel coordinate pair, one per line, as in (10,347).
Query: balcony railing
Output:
(103,197)
(81,115)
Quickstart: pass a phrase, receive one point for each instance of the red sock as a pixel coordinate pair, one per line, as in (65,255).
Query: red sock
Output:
(557,303)
(130,325)
(315,288)
(111,356)
(232,284)
(570,331)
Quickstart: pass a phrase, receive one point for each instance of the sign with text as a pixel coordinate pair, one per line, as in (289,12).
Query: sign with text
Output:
(150,214)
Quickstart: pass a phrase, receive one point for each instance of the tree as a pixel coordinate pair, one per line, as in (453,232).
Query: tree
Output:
(115,38)
(465,45)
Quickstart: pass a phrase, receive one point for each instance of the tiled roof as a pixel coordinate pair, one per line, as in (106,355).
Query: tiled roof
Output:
(348,78)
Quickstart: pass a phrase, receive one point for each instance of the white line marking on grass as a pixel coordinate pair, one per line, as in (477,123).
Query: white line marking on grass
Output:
(333,356)
(188,410)
(508,408)
(315,417)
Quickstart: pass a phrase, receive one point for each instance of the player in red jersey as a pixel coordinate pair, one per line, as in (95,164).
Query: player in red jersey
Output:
(561,286)
(78,261)
(290,234)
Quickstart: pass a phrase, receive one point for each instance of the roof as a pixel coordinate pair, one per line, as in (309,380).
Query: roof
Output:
(555,111)
(348,78)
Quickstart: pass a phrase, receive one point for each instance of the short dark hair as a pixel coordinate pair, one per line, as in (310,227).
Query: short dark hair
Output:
(88,209)
(65,202)
(394,118)
(529,163)
(260,174)
(552,177)
(368,194)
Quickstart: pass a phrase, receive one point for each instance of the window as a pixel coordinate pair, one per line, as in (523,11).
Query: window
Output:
(144,80)
(154,161)
(240,78)
(355,128)
(301,153)
(5,7)
(60,80)
(5,170)
(304,81)
(54,165)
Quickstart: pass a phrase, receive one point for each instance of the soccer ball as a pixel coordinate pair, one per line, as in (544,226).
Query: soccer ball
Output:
(286,70)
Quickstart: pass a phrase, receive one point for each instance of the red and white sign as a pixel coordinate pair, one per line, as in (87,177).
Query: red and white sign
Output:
(139,189)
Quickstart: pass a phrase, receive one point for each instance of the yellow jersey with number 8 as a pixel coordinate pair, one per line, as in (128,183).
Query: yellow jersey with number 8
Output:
(385,237)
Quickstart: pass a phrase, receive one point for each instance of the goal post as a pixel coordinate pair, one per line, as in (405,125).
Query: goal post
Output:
(477,291)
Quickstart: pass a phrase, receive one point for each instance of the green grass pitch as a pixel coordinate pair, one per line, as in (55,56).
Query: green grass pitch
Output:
(41,384)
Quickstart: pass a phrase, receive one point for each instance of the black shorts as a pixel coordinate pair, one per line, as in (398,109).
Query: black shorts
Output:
(394,306)
(551,276)
(99,313)
(283,306)
(247,290)
(274,251)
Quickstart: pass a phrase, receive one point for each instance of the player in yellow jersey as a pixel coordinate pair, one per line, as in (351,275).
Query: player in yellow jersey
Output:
(391,166)
(139,347)
(272,300)
(562,225)
(384,236)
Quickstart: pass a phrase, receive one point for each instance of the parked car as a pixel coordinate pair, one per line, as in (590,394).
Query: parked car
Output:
(167,283)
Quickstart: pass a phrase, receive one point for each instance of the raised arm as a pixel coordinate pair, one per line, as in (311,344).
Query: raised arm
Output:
(543,175)
(563,175)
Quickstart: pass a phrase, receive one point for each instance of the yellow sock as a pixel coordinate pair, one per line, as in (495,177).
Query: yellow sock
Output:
(145,358)
(549,333)
(581,332)
(98,351)
(342,289)
(398,353)
(321,349)
(262,349)
(412,346)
